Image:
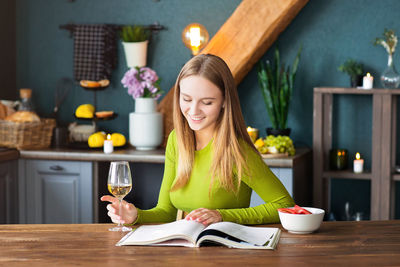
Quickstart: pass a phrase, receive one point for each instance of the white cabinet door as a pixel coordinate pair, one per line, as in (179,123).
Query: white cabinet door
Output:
(57,191)
(8,192)
(285,175)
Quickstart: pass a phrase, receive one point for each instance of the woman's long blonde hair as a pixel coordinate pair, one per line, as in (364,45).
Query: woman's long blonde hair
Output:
(229,163)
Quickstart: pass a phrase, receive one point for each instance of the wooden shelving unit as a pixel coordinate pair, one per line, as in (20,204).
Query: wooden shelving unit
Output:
(383,148)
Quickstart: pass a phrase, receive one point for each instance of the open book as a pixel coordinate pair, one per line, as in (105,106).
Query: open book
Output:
(193,234)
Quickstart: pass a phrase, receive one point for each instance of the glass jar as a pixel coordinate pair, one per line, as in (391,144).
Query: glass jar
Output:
(390,78)
(26,101)
(338,159)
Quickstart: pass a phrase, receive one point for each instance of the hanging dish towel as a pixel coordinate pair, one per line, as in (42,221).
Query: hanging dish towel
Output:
(95,54)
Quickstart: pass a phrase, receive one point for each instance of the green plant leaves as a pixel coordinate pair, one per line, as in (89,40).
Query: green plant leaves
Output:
(265,83)
(276,85)
(134,33)
(352,68)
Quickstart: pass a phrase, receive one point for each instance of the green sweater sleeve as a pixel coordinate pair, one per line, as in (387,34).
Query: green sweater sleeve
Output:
(232,207)
(165,210)
(267,186)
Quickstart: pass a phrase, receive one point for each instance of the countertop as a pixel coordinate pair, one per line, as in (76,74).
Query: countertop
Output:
(7,154)
(132,155)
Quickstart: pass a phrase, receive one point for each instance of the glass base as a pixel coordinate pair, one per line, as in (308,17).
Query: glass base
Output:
(120,229)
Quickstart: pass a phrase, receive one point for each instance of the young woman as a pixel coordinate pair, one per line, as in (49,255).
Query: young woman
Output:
(211,165)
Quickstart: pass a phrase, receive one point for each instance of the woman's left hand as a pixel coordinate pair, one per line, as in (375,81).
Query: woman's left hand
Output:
(204,216)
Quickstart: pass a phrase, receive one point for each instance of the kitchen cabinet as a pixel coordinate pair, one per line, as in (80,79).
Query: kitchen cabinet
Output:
(53,191)
(8,192)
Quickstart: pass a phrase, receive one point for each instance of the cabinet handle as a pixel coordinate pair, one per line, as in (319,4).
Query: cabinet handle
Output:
(56,168)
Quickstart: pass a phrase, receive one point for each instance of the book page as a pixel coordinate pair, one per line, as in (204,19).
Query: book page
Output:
(253,235)
(150,234)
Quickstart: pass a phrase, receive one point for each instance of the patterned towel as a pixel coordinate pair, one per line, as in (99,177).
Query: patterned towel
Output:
(95,51)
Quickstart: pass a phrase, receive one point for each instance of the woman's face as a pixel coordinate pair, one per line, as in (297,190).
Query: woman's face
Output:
(200,101)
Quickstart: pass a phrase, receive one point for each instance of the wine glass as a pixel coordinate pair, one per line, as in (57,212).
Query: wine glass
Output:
(119,185)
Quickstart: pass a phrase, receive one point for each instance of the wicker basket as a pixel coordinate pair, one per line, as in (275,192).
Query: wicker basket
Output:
(26,135)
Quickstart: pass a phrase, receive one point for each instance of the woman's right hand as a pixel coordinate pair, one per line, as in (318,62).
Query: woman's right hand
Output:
(129,211)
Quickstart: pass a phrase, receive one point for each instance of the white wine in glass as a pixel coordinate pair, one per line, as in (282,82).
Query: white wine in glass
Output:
(119,185)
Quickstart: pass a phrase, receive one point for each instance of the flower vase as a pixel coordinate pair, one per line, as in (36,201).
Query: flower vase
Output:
(390,78)
(145,125)
(135,53)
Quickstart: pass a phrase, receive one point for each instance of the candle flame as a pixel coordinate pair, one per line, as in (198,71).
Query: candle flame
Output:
(358,155)
(368,75)
(108,136)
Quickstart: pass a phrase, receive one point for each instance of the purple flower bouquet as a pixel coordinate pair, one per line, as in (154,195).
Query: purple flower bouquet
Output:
(142,82)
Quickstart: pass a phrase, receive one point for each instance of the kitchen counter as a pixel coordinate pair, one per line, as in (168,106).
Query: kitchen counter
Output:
(132,155)
(7,154)
(127,154)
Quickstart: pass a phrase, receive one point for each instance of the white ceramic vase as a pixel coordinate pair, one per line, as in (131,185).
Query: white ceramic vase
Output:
(145,125)
(136,53)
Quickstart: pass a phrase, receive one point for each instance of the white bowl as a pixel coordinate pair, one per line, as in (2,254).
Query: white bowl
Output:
(302,223)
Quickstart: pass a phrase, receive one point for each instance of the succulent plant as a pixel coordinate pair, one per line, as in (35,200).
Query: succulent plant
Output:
(135,33)
(276,82)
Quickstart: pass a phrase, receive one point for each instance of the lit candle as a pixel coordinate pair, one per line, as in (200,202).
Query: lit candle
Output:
(368,81)
(358,165)
(108,145)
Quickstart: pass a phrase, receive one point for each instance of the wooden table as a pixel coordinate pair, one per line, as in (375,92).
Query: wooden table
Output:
(367,243)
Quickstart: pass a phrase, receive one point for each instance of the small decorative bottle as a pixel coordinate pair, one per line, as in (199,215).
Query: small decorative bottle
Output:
(26,101)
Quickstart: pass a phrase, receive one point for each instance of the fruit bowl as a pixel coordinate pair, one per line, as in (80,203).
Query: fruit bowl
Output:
(302,223)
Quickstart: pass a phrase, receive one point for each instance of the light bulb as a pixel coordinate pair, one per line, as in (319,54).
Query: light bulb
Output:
(195,37)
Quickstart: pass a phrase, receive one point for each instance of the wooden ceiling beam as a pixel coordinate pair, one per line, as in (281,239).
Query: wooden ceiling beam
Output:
(243,39)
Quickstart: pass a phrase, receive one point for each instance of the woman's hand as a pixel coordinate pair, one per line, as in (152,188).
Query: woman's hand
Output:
(129,211)
(204,216)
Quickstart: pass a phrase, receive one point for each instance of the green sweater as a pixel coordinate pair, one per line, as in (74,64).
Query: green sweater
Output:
(195,194)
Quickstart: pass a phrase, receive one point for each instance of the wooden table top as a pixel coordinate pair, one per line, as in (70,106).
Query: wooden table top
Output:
(366,243)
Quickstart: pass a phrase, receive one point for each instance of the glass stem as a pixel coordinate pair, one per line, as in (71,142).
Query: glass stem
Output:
(120,213)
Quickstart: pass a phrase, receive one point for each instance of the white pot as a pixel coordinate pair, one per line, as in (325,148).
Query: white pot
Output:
(145,125)
(136,53)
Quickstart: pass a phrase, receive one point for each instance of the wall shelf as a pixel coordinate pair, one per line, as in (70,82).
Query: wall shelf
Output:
(384,107)
(347,174)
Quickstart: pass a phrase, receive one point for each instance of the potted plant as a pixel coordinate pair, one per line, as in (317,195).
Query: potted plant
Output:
(355,70)
(276,82)
(135,41)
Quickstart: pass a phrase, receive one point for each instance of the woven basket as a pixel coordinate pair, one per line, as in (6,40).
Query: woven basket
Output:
(26,135)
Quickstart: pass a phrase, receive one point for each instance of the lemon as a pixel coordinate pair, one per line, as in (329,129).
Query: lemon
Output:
(85,111)
(118,139)
(259,143)
(96,139)
(102,133)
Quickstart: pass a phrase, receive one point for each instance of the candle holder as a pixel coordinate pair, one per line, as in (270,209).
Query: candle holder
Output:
(338,159)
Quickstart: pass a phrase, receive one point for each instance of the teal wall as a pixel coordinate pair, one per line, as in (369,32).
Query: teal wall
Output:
(329,31)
